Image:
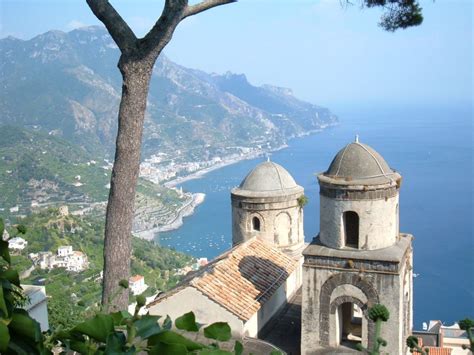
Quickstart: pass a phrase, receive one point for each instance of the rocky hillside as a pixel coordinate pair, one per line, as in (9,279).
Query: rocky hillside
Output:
(67,84)
(39,170)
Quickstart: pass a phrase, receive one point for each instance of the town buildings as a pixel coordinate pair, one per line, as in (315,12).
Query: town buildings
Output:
(17,243)
(137,284)
(66,257)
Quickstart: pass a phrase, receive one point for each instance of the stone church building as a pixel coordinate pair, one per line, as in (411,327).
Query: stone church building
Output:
(358,259)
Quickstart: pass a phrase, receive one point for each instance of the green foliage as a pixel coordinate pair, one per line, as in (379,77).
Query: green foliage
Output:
(104,333)
(120,332)
(399,14)
(18,332)
(219,331)
(412,343)
(377,313)
(302,201)
(467,324)
(75,296)
(187,322)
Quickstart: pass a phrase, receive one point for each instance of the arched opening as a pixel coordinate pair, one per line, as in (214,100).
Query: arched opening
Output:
(364,295)
(256,224)
(349,318)
(351,229)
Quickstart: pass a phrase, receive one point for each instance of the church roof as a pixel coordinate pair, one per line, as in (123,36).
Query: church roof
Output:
(240,280)
(358,163)
(268,178)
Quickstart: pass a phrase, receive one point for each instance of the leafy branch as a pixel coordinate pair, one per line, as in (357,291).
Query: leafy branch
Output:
(412,343)
(378,313)
(467,325)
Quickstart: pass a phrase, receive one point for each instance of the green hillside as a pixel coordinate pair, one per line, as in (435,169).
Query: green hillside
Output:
(74,295)
(39,170)
(42,168)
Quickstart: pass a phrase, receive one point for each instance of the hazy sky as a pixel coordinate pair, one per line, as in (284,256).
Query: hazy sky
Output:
(328,54)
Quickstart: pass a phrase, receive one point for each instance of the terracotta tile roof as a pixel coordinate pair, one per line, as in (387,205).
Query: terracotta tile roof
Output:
(242,279)
(135,278)
(432,350)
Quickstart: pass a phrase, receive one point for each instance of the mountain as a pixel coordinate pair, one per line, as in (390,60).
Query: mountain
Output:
(68,84)
(38,169)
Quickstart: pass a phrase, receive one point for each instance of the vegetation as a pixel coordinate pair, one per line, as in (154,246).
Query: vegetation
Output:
(302,201)
(18,332)
(74,296)
(35,164)
(103,333)
(41,168)
(412,343)
(378,313)
(467,324)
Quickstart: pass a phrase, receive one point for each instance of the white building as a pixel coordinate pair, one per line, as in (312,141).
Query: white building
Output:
(445,339)
(77,261)
(137,284)
(37,306)
(17,243)
(66,258)
(65,250)
(244,287)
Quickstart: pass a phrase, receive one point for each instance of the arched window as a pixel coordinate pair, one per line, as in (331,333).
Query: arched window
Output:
(256,224)
(350,324)
(351,229)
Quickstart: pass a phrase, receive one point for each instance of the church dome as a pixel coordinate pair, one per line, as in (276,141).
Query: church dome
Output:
(358,163)
(268,179)
(268,176)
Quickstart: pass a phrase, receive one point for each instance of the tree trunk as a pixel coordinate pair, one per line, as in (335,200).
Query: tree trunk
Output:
(120,208)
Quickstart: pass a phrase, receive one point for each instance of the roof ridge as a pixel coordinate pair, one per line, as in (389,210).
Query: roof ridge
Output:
(342,158)
(278,173)
(373,156)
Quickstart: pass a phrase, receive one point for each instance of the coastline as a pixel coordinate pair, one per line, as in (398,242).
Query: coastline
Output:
(185,211)
(198,198)
(200,173)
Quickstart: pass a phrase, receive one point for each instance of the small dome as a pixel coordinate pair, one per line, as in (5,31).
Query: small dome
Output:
(268,176)
(359,163)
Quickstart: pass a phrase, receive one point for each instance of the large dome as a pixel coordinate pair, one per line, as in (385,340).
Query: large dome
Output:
(268,176)
(359,163)
(268,179)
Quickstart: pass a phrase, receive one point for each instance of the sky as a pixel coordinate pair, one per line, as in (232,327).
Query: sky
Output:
(328,54)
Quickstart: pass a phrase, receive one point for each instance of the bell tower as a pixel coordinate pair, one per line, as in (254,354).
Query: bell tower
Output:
(359,257)
(266,205)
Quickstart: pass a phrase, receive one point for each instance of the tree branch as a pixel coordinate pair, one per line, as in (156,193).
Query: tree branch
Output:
(203,6)
(121,33)
(159,36)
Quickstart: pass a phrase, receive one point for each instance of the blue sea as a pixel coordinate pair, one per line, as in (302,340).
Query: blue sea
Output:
(431,146)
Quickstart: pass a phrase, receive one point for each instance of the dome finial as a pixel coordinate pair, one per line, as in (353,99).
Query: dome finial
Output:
(357,138)
(268,157)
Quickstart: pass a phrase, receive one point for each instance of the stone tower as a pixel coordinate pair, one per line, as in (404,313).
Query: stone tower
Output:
(359,257)
(267,204)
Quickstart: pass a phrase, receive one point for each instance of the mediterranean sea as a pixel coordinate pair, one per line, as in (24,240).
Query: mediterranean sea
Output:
(432,147)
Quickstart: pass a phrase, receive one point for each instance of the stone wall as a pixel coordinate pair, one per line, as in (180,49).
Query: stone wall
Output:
(378,221)
(330,282)
(281,220)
